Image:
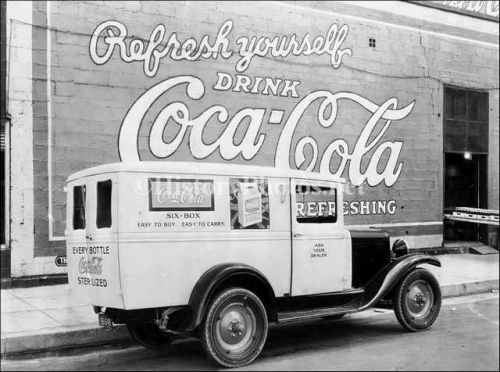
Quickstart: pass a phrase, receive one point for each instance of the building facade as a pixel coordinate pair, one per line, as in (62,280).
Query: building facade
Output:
(400,98)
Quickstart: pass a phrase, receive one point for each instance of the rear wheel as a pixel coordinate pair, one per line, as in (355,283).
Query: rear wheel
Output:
(148,335)
(417,300)
(234,330)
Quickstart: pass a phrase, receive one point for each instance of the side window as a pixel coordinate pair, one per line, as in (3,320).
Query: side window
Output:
(103,204)
(316,204)
(79,207)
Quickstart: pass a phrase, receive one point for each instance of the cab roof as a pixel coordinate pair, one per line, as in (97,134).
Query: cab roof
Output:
(220,169)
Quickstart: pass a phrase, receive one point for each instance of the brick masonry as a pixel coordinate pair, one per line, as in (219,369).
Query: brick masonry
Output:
(412,61)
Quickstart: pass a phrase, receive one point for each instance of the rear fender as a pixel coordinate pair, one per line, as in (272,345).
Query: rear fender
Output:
(227,275)
(386,279)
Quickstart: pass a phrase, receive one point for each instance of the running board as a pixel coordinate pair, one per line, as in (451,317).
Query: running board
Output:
(351,307)
(293,316)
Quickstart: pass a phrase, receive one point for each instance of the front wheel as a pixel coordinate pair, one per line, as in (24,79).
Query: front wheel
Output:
(234,330)
(417,300)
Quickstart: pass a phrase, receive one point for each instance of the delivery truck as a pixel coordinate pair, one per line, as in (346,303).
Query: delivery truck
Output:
(220,251)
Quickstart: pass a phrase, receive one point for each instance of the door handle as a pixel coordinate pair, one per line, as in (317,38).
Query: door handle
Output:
(297,235)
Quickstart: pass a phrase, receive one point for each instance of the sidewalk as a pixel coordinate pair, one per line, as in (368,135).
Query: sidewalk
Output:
(44,318)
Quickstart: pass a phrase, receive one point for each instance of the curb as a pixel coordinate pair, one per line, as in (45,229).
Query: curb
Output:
(18,344)
(469,288)
(25,343)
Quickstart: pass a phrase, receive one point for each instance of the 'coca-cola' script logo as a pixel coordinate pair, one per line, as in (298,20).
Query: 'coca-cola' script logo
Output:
(175,194)
(185,194)
(176,118)
(91,266)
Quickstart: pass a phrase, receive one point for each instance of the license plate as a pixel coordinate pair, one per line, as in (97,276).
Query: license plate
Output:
(105,321)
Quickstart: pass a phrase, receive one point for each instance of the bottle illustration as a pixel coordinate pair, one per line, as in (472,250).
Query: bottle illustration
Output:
(249,204)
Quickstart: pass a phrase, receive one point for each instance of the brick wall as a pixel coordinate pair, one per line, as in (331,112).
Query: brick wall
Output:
(412,61)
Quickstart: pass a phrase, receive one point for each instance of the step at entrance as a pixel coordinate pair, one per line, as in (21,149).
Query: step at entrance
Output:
(482,249)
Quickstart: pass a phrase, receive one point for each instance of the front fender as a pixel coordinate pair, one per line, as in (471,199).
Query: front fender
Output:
(216,276)
(387,278)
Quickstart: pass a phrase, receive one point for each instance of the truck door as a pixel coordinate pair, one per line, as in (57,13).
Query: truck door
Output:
(76,217)
(320,250)
(92,246)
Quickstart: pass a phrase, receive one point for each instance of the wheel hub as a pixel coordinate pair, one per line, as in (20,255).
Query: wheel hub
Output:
(236,328)
(233,327)
(419,299)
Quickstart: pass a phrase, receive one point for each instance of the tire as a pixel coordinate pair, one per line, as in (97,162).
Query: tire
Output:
(234,330)
(148,335)
(417,300)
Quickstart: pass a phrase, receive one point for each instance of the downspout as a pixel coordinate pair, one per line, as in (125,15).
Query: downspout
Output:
(5,123)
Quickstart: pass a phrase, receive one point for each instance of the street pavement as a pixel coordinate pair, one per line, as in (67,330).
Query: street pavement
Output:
(465,337)
(46,318)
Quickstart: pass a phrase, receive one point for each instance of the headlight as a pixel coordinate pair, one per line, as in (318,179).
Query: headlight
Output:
(400,248)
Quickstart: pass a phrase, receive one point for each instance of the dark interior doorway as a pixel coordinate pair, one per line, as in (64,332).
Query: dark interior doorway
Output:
(465,185)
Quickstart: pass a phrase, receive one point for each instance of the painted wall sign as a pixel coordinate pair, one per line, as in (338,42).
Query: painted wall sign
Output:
(176,116)
(265,83)
(228,91)
(177,122)
(178,113)
(151,55)
(316,208)
(481,9)
(372,159)
(357,207)
(316,202)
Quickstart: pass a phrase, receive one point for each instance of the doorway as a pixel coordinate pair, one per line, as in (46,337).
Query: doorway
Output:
(465,185)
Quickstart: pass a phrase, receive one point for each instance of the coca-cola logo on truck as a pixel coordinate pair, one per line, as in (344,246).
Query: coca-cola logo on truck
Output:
(180,194)
(92,266)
